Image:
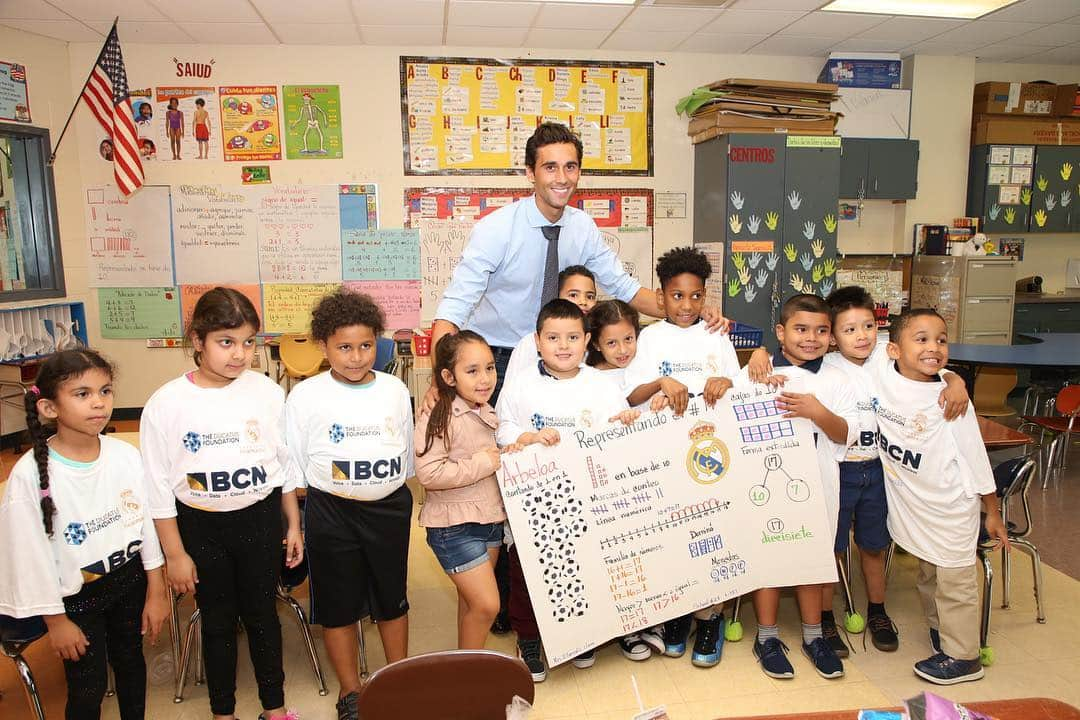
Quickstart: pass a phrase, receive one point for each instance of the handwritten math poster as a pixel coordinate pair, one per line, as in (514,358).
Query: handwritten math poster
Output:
(441,244)
(139,312)
(128,239)
(621,528)
(190,294)
(287,308)
(383,254)
(215,234)
(298,233)
(399,300)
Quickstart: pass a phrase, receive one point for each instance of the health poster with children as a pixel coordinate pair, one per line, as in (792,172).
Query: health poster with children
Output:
(312,116)
(188,123)
(250,129)
(620,528)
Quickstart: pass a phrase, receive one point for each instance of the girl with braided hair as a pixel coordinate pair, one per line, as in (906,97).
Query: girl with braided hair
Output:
(77,543)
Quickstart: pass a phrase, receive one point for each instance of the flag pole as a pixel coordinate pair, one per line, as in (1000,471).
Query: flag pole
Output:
(78,98)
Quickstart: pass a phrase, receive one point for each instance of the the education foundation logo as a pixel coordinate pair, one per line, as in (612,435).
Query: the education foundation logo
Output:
(194,442)
(539,421)
(708,459)
(339,432)
(75,533)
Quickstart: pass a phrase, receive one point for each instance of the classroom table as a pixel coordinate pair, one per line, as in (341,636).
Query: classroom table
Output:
(1000,437)
(1040,350)
(1020,709)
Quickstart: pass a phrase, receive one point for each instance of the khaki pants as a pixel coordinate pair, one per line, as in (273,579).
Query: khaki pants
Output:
(950,598)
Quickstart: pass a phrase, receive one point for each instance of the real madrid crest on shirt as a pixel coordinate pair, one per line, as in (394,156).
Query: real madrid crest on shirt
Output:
(708,459)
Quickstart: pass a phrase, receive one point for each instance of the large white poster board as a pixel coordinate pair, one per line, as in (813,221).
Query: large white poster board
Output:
(621,528)
(128,239)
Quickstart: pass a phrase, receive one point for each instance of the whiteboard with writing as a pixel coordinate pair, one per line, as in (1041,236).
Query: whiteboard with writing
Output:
(620,528)
(215,231)
(128,239)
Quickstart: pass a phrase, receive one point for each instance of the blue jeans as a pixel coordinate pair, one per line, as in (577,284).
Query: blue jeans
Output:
(502,361)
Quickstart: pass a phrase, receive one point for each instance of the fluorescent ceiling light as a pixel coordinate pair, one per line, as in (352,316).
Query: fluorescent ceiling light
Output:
(965,9)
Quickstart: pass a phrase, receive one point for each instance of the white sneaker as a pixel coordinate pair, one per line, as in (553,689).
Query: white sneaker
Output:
(634,647)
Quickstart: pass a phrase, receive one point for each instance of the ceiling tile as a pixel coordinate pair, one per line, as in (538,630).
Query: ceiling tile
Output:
(107,10)
(68,30)
(401,34)
(29,10)
(805,5)
(565,39)
(243,33)
(199,10)
(515,15)
(486,36)
(750,22)
(399,12)
(581,17)
(668,19)
(793,45)
(144,32)
(1050,36)
(1069,55)
(1044,11)
(726,43)
(323,11)
(936,47)
(911,30)
(645,41)
(1005,51)
(859,44)
(344,33)
(839,25)
(988,31)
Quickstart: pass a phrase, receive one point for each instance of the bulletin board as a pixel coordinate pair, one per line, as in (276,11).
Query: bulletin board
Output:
(472,116)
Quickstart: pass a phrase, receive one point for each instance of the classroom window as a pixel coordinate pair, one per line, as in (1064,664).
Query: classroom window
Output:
(30,262)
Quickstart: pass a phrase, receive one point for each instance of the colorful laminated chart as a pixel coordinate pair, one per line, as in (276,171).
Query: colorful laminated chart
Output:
(312,116)
(471,116)
(14,100)
(187,120)
(250,129)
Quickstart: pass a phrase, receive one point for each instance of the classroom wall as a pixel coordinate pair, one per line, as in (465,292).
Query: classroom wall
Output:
(368,76)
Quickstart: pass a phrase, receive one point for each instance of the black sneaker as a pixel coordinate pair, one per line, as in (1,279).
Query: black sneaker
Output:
(675,633)
(710,642)
(501,626)
(634,647)
(883,633)
(935,641)
(585,660)
(941,669)
(825,661)
(772,654)
(831,633)
(531,653)
(346,707)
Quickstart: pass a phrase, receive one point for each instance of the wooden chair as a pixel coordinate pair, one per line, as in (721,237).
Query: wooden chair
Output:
(300,356)
(992,388)
(449,685)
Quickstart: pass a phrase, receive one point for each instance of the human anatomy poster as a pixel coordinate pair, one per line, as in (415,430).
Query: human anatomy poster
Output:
(187,120)
(250,129)
(312,118)
(623,527)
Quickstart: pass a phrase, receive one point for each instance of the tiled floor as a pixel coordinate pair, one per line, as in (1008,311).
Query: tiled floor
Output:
(1032,659)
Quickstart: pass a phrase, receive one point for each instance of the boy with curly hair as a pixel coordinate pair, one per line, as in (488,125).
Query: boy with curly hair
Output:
(350,434)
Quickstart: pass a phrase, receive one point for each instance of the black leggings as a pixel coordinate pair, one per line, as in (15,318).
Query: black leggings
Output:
(238,560)
(109,612)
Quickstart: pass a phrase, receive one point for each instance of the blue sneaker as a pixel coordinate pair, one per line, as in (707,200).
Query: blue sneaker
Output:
(825,660)
(772,654)
(710,641)
(675,633)
(941,669)
(935,641)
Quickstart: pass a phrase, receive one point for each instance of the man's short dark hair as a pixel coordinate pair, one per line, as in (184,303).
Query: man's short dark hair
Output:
(682,260)
(901,322)
(803,302)
(550,133)
(559,309)
(848,298)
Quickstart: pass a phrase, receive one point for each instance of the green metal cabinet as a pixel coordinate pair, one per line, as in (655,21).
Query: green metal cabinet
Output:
(1055,193)
(879,169)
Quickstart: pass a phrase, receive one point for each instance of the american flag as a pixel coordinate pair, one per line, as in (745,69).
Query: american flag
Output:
(106,93)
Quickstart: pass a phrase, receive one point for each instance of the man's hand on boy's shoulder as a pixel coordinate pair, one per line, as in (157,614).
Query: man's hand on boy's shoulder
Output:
(715,320)
(715,387)
(954,398)
(800,405)
(759,368)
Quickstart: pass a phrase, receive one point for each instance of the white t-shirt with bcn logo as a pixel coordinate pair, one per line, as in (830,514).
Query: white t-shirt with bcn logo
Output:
(102,521)
(215,449)
(354,441)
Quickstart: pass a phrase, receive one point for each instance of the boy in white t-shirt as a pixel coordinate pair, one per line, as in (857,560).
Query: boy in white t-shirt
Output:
(349,432)
(679,358)
(562,395)
(935,474)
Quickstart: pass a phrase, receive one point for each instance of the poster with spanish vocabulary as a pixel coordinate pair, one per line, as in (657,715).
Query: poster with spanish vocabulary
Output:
(298,231)
(14,98)
(473,116)
(190,294)
(188,122)
(215,231)
(128,239)
(250,130)
(398,299)
(621,528)
(132,313)
(312,117)
(287,308)
(380,254)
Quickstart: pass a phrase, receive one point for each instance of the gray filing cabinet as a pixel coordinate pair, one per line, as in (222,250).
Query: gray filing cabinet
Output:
(975,294)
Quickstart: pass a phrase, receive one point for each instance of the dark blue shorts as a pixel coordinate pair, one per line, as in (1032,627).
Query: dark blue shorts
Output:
(862,501)
(462,547)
